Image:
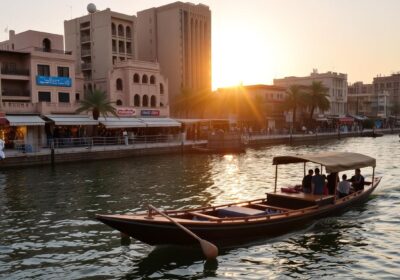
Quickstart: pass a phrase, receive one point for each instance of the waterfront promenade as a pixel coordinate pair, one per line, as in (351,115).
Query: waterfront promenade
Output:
(98,152)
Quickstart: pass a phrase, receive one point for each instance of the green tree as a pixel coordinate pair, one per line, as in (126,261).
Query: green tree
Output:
(317,97)
(97,103)
(295,99)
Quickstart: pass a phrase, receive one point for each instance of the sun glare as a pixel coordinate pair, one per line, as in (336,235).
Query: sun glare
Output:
(240,57)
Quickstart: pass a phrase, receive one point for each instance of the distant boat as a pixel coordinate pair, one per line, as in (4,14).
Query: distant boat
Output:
(222,142)
(245,221)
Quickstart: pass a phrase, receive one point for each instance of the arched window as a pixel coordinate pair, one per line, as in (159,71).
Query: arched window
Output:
(113,29)
(120,30)
(161,89)
(128,32)
(145,79)
(161,104)
(90,89)
(46,44)
(153,101)
(136,100)
(119,84)
(145,101)
(136,78)
(152,79)
(119,102)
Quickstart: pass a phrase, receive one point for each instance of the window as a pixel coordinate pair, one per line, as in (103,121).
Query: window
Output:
(120,30)
(77,97)
(136,78)
(43,70)
(128,32)
(119,102)
(136,100)
(153,101)
(152,80)
(113,29)
(62,71)
(44,96)
(63,97)
(145,79)
(161,89)
(145,101)
(119,84)
(46,44)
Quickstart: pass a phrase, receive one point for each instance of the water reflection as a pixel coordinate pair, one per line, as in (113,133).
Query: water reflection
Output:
(47,228)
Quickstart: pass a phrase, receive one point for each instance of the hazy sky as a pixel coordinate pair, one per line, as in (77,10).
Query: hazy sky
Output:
(254,41)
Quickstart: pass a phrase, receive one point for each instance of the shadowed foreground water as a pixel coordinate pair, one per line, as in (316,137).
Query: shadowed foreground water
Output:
(48,231)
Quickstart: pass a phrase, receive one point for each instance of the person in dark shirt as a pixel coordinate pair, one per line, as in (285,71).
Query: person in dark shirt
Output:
(318,183)
(357,180)
(333,179)
(307,181)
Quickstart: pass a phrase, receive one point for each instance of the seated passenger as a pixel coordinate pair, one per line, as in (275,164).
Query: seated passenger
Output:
(357,180)
(318,183)
(306,184)
(343,187)
(333,179)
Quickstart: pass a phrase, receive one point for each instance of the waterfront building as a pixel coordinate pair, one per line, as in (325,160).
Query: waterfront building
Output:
(387,88)
(37,78)
(364,100)
(258,105)
(335,82)
(105,46)
(178,36)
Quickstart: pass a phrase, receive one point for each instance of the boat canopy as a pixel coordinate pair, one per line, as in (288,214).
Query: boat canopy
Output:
(333,161)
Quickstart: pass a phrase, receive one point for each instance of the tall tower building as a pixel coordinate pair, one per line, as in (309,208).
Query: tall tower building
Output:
(178,36)
(99,40)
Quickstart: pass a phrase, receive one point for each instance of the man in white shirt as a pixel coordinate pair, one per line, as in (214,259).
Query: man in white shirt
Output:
(2,155)
(343,187)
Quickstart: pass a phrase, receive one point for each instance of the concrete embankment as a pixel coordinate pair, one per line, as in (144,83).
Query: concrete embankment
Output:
(44,157)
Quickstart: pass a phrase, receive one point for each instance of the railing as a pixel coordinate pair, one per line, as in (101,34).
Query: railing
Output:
(85,52)
(86,66)
(8,92)
(52,51)
(20,72)
(85,38)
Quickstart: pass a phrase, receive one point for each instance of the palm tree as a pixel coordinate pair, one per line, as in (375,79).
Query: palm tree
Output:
(317,97)
(295,98)
(96,102)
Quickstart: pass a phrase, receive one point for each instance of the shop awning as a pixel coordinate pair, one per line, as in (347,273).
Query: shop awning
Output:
(113,122)
(22,120)
(160,122)
(72,120)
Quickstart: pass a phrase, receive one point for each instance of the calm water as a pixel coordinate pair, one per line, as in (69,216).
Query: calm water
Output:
(47,229)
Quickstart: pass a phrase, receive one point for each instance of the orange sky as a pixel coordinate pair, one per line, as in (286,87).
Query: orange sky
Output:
(254,41)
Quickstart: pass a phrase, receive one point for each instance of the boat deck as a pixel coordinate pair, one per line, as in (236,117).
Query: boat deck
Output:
(298,200)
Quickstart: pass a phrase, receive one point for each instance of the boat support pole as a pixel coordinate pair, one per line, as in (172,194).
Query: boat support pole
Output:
(373,176)
(304,169)
(276,177)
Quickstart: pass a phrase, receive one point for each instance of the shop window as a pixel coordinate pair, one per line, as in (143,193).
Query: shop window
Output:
(43,70)
(145,79)
(119,84)
(62,71)
(145,101)
(63,97)
(136,100)
(136,78)
(152,79)
(44,96)
(153,101)
(119,102)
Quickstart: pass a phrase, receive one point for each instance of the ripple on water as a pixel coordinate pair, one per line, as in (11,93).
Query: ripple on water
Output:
(48,230)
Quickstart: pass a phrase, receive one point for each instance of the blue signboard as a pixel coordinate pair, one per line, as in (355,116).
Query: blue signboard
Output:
(53,81)
(149,113)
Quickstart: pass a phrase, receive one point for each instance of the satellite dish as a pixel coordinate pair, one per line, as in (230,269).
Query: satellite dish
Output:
(91,8)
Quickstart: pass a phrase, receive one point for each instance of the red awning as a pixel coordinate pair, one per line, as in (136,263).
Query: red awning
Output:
(346,120)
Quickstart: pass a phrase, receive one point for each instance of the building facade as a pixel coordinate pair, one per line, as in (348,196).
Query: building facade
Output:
(389,86)
(335,82)
(178,36)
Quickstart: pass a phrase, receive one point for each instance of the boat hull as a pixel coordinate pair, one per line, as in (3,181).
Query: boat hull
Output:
(158,233)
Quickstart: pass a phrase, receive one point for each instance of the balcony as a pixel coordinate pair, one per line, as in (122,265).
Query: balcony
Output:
(86,52)
(15,93)
(18,107)
(86,66)
(57,108)
(85,39)
(18,72)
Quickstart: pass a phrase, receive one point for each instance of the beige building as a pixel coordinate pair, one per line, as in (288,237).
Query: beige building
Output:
(390,86)
(335,82)
(37,78)
(178,36)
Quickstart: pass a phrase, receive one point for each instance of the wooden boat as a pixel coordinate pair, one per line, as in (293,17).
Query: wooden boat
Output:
(234,223)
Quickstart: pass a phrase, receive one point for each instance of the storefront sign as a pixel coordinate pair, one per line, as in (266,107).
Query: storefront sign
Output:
(126,112)
(150,113)
(53,81)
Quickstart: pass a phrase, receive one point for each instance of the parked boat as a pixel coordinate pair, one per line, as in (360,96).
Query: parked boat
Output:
(277,213)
